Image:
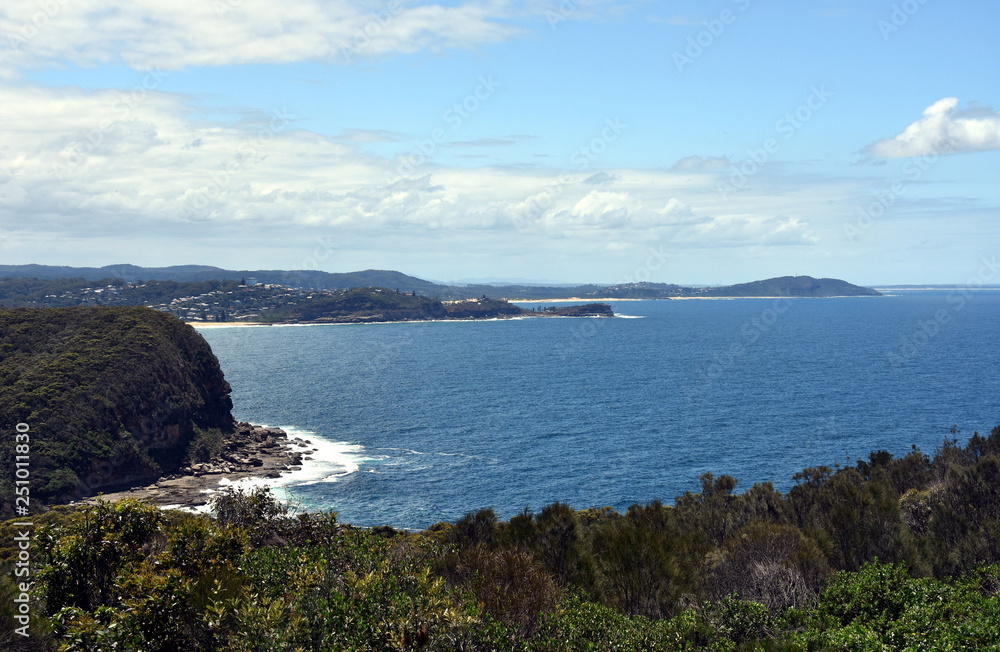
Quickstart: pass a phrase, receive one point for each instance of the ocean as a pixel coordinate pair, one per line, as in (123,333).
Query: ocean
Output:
(414,423)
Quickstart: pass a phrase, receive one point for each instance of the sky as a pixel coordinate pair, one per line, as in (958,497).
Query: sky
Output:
(692,142)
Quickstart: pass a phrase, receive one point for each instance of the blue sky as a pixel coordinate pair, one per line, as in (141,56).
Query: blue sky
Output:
(572,141)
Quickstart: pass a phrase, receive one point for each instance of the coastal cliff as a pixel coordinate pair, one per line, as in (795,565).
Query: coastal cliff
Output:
(113,397)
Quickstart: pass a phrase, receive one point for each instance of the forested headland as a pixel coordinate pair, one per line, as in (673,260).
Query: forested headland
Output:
(119,397)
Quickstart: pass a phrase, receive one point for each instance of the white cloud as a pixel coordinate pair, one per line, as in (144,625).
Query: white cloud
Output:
(102,167)
(701,163)
(146,34)
(675,208)
(748,231)
(369,136)
(602,209)
(943,129)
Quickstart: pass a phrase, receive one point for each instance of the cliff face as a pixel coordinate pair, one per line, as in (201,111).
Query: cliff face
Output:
(113,396)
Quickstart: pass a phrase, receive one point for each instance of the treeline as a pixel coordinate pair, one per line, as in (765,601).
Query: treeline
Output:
(888,554)
(936,517)
(112,396)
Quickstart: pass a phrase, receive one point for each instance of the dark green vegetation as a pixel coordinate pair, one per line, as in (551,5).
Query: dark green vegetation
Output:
(887,554)
(794,286)
(362,305)
(114,397)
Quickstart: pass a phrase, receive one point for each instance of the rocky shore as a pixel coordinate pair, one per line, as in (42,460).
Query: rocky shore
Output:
(249,452)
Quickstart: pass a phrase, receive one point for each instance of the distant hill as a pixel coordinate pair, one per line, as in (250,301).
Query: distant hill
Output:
(793,286)
(308,279)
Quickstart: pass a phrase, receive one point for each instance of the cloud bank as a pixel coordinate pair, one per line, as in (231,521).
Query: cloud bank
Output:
(147,34)
(90,165)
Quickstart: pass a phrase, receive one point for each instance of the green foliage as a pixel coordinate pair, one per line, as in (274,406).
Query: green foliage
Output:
(253,511)
(560,545)
(637,569)
(892,553)
(83,558)
(581,625)
(881,607)
(511,585)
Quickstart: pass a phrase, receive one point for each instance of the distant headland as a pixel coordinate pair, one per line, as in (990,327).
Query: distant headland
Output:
(373,305)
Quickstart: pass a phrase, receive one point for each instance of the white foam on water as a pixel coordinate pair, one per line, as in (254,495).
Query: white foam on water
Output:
(330,461)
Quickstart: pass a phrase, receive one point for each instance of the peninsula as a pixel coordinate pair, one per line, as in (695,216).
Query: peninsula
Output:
(124,401)
(369,305)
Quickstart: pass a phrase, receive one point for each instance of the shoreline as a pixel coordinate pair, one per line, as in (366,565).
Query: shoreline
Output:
(251,452)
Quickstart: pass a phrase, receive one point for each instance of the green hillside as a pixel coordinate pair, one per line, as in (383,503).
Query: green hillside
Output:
(112,396)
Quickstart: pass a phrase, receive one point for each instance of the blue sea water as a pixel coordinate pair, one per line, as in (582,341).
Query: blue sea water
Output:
(414,423)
